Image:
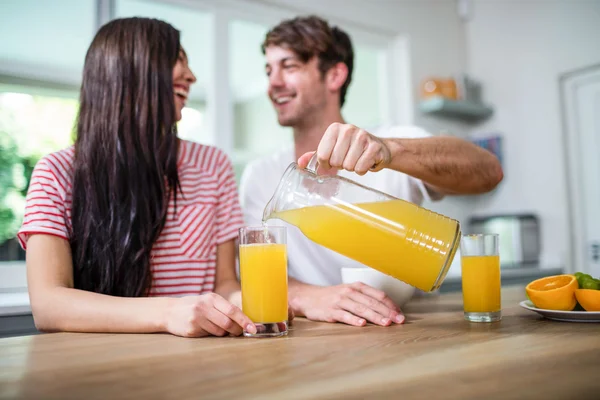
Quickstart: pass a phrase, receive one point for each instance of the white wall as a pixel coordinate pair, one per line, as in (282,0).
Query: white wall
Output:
(519,49)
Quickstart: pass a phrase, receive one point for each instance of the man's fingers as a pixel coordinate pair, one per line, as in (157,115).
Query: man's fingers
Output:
(340,149)
(396,315)
(364,311)
(327,144)
(347,318)
(377,294)
(369,160)
(354,153)
(375,305)
(305,159)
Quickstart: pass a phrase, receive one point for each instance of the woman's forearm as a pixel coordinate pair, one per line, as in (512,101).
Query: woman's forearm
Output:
(66,309)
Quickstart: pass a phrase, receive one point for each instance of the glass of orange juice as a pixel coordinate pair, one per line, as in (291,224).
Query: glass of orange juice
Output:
(480,265)
(263,272)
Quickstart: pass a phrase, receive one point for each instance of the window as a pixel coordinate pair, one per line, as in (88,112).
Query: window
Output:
(256,131)
(33,123)
(365,95)
(43,46)
(42,51)
(195,28)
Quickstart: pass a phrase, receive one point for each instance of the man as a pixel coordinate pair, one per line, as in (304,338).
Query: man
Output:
(309,65)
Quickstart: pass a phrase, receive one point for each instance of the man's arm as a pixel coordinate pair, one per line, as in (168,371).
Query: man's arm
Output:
(448,164)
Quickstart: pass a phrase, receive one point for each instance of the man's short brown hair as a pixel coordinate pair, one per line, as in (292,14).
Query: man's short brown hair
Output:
(312,36)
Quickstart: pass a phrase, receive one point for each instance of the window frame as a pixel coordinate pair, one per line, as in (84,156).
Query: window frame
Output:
(396,91)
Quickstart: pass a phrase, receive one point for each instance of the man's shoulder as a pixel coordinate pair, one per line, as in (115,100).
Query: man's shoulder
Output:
(262,175)
(400,131)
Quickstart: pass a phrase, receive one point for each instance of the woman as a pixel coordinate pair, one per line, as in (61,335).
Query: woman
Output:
(131,214)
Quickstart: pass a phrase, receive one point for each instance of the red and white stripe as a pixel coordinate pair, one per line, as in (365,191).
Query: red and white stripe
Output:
(184,256)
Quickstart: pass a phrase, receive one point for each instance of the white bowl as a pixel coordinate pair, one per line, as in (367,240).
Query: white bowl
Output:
(398,291)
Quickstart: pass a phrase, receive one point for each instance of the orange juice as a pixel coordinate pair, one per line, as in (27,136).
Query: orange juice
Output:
(384,235)
(481,283)
(263,271)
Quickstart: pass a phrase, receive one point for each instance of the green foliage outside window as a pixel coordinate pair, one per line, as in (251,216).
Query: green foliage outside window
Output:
(31,126)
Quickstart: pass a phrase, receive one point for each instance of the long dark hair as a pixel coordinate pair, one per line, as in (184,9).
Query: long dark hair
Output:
(125,167)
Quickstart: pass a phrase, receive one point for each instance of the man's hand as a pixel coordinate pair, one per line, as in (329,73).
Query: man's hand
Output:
(447,164)
(348,147)
(354,304)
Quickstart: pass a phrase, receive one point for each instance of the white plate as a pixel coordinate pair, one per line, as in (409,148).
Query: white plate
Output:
(566,316)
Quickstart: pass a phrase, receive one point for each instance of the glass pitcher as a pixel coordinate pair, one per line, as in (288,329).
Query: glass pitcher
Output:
(396,237)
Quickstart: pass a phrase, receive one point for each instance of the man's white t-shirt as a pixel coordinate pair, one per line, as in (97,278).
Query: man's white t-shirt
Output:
(307,261)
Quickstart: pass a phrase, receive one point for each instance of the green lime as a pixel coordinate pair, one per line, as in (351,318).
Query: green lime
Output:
(589,283)
(581,277)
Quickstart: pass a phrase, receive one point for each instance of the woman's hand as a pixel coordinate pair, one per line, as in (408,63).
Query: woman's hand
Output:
(236,299)
(204,315)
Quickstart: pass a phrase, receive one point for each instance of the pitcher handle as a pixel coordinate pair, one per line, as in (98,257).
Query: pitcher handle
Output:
(313,164)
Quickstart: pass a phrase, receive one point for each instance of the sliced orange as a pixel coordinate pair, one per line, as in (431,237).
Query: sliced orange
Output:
(554,292)
(589,299)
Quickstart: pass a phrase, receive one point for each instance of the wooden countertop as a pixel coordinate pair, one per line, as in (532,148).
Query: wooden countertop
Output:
(436,354)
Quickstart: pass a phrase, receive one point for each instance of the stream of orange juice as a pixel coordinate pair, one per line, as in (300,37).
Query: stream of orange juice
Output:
(481,283)
(263,272)
(388,236)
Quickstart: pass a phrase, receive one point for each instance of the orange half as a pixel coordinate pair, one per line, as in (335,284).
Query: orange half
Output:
(589,299)
(553,292)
